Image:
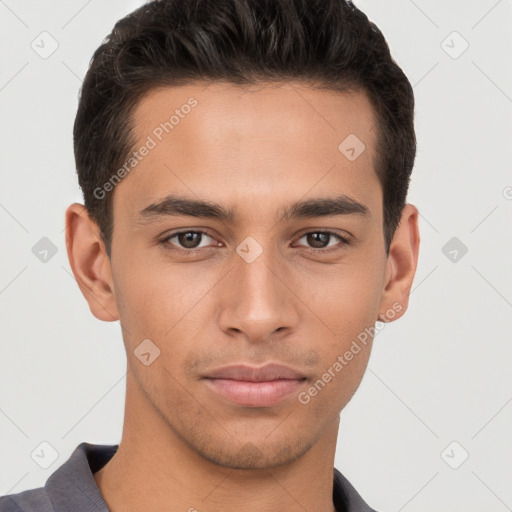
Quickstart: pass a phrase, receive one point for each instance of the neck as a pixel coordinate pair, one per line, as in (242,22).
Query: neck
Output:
(153,469)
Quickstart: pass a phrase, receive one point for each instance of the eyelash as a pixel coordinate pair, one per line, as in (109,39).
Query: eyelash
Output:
(165,242)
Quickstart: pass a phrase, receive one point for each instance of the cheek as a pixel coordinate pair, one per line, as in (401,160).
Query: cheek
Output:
(166,306)
(345,299)
(347,302)
(343,365)
(152,297)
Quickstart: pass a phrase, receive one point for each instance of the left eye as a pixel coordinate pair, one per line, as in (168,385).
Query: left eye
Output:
(321,239)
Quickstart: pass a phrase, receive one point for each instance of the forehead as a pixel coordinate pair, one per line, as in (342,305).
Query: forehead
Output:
(255,109)
(251,142)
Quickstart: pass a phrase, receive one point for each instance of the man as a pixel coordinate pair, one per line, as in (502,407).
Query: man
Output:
(245,165)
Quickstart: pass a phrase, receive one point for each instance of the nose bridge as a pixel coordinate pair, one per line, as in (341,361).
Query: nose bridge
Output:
(260,302)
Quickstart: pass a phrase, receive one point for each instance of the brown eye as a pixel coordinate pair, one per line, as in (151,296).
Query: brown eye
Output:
(190,239)
(186,240)
(320,241)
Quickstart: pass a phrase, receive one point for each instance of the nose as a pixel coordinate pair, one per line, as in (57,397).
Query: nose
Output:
(257,301)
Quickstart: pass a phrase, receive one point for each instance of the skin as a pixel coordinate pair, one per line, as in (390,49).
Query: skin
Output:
(254,150)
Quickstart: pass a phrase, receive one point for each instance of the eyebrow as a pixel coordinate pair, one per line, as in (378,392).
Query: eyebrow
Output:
(173,205)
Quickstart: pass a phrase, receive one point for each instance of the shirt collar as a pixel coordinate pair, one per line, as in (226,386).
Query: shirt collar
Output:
(72,485)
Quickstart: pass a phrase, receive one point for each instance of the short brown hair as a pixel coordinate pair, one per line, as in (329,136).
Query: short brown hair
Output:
(327,43)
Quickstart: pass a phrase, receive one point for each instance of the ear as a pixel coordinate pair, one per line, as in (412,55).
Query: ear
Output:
(400,266)
(90,263)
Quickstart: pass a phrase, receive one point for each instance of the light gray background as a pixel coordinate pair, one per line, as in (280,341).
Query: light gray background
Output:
(438,375)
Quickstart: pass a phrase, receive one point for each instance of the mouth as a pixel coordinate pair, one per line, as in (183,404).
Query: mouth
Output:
(255,386)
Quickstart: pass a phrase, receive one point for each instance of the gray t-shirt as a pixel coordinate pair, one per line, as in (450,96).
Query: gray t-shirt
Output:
(72,487)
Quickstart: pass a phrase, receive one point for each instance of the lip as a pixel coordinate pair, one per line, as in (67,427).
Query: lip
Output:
(255,386)
(255,374)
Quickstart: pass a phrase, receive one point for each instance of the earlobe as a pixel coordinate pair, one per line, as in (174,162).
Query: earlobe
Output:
(400,266)
(90,263)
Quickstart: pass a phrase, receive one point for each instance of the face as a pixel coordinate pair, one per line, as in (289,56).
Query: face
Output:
(248,279)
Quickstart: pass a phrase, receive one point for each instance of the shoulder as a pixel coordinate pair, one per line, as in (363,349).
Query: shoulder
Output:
(32,500)
(57,493)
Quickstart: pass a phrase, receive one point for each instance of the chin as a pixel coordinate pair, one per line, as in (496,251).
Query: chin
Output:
(255,454)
